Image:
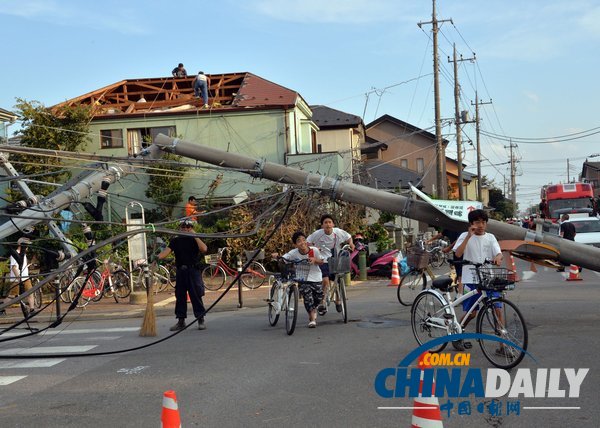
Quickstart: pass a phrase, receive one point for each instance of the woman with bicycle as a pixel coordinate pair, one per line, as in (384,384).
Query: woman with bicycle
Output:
(311,287)
(477,246)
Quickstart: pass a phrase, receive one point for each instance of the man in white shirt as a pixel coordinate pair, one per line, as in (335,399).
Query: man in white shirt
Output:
(201,85)
(19,272)
(329,240)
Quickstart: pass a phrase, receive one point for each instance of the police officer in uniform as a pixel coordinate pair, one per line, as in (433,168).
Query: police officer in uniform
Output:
(187,251)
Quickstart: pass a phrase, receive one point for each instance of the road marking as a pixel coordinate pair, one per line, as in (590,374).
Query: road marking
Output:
(7,380)
(78,331)
(47,350)
(165,302)
(30,364)
(134,370)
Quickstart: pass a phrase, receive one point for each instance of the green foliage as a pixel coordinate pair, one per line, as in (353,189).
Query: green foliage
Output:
(376,232)
(66,128)
(165,186)
(503,208)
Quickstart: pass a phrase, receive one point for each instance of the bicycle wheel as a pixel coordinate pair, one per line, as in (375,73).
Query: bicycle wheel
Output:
(254,276)
(410,286)
(64,284)
(342,297)
(121,285)
(436,259)
(291,312)
(213,277)
(161,278)
(274,303)
(86,294)
(427,319)
(507,323)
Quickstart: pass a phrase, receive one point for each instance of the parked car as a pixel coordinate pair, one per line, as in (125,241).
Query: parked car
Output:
(588,230)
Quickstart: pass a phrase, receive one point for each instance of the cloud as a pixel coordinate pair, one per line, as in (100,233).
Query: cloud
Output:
(532,96)
(333,11)
(590,21)
(80,15)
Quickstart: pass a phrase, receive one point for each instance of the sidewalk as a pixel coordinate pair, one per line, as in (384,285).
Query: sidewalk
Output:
(164,305)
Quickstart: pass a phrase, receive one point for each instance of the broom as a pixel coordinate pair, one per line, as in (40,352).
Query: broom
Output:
(148,328)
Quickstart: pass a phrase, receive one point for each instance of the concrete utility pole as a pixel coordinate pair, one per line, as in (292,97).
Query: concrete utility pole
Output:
(477,104)
(570,252)
(74,191)
(461,191)
(442,191)
(513,177)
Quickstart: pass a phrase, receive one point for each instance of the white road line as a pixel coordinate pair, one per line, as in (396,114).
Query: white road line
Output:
(7,380)
(47,350)
(30,364)
(77,331)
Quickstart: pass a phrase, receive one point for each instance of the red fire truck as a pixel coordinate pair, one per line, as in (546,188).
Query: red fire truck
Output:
(558,199)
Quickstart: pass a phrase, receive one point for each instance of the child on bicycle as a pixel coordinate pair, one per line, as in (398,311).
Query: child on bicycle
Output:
(329,239)
(477,246)
(311,288)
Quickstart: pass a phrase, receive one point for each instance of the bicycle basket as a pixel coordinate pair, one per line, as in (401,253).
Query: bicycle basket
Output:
(260,254)
(339,263)
(286,269)
(495,278)
(211,259)
(295,271)
(417,258)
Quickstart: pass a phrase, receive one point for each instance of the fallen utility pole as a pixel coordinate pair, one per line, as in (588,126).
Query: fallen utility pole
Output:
(76,190)
(570,252)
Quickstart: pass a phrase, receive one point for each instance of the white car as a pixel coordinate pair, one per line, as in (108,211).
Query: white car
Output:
(588,230)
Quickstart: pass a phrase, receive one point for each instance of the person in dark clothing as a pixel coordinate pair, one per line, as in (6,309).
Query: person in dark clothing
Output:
(567,231)
(188,280)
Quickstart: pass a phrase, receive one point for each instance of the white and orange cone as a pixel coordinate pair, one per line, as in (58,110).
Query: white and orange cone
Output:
(170,412)
(395,280)
(574,273)
(426,410)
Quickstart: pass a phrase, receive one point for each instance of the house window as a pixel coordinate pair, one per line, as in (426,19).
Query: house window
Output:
(111,138)
(420,165)
(140,138)
(404,163)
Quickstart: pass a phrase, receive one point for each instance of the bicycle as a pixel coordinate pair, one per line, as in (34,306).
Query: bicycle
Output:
(108,283)
(437,256)
(412,283)
(160,276)
(433,315)
(283,292)
(340,266)
(215,274)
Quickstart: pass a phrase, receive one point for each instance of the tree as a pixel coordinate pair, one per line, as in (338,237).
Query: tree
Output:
(503,207)
(65,128)
(165,186)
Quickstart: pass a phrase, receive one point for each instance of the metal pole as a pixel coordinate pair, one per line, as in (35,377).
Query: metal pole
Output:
(239,284)
(570,252)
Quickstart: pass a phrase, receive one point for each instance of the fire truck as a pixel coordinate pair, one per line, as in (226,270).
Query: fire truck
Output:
(558,199)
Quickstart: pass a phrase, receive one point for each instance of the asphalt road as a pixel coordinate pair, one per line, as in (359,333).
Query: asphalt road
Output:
(242,372)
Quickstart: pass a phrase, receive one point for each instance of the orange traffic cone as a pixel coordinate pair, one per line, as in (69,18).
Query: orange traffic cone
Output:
(395,280)
(426,410)
(170,412)
(188,298)
(574,273)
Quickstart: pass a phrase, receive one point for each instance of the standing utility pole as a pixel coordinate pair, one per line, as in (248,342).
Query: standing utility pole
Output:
(461,191)
(513,182)
(477,104)
(442,191)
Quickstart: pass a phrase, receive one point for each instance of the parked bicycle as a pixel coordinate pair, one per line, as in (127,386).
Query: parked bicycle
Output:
(159,276)
(283,292)
(433,315)
(413,282)
(340,266)
(437,256)
(215,274)
(108,283)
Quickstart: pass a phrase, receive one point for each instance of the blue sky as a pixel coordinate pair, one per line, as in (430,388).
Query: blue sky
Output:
(537,60)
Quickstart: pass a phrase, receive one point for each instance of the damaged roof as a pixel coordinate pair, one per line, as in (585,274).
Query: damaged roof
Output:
(169,94)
